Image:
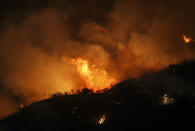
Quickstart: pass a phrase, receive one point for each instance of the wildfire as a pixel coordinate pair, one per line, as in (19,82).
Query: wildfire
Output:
(82,68)
(94,77)
(186,38)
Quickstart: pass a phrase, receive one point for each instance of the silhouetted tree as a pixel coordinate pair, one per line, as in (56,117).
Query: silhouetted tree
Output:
(78,91)
(57,95)
(87,91)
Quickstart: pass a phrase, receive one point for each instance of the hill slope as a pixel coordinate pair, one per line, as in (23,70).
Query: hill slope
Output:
(160,100)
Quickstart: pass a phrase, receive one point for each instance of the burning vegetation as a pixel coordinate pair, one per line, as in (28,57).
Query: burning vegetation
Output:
(102,119)
(93,77)
(166,99)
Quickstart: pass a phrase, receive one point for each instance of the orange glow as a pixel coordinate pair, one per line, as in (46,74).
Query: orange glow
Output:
(186,38)
(93,77)
(102,119)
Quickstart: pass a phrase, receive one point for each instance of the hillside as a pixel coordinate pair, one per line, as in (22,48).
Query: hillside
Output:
(160,100)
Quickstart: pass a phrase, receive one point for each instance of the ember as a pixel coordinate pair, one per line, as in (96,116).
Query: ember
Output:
(186,38)
(167,100)
(102,119)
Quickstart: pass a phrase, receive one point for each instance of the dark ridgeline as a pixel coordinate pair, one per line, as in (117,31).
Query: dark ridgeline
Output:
(161,100)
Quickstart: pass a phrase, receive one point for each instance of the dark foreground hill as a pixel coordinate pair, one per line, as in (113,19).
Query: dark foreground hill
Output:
(159,101)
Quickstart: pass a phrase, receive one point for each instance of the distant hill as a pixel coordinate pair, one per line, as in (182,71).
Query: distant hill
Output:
(159,101)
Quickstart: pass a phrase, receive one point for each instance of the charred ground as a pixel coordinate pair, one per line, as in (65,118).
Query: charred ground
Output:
(160,100)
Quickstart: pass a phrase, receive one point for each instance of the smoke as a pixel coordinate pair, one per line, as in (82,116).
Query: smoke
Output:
(125,38)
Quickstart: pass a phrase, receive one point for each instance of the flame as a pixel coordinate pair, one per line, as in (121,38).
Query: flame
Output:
(102,119)
(167,99)
(186,38)
(21,106)
(94,77)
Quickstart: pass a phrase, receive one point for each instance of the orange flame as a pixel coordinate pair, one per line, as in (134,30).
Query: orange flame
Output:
(186,38)
(102,119)
(93,77)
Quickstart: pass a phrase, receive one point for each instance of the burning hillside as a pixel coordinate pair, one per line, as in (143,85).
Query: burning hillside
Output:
(161,100)
(103,42)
